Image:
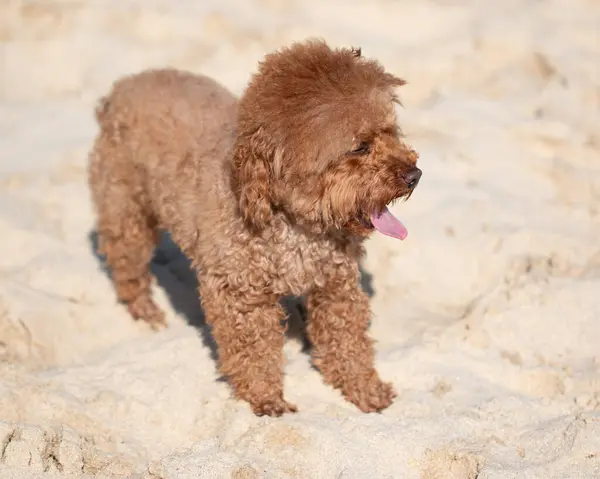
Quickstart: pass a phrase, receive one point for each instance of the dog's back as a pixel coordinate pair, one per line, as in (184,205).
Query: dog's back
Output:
(167,110)
(162,131)
(166,98)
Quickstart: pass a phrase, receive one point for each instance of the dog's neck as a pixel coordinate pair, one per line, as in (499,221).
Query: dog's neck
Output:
(330,238)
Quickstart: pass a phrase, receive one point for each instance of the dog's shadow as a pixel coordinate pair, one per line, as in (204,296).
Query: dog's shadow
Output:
(175,276)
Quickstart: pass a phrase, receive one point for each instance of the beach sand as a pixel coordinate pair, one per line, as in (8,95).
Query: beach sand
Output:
(485,317)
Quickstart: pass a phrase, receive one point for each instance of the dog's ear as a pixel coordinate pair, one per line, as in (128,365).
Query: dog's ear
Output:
(252,177)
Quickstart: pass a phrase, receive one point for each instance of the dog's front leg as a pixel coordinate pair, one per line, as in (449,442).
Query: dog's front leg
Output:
(249,332)
(338,319)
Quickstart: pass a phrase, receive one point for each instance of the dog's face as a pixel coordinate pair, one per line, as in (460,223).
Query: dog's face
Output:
(318,140)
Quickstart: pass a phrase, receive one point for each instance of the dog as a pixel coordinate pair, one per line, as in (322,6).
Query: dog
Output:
(268,195)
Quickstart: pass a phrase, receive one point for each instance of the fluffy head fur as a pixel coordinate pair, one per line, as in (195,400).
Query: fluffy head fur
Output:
(318,140)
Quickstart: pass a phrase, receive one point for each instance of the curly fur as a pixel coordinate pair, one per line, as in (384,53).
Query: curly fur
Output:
(268,196)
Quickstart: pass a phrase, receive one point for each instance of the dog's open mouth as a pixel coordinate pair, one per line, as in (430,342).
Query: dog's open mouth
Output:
(386,223)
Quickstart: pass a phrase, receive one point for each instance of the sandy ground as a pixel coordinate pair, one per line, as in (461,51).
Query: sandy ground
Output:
(485,316)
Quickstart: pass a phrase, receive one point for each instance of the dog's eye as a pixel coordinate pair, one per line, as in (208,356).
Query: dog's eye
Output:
(362,149)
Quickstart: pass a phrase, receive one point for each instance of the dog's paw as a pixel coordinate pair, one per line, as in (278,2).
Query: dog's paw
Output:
(273,407)
(370,395)
(143,308)
(157,322)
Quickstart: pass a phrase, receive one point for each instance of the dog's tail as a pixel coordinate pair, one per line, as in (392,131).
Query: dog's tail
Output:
(106,113)
(102,109)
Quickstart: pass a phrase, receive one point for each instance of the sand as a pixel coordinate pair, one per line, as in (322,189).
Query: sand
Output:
(485,316)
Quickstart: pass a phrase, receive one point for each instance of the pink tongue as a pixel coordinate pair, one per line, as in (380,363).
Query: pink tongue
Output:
(387,224)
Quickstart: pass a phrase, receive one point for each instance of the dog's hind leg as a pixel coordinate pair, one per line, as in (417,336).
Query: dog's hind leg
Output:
(127,233)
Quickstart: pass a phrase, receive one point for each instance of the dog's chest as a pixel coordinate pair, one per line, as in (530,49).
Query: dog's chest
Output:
(301,263)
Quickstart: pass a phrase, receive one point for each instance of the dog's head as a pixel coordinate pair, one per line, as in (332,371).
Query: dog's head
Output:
(318,140)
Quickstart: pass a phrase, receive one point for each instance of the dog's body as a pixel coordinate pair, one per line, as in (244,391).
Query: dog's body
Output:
(178,152)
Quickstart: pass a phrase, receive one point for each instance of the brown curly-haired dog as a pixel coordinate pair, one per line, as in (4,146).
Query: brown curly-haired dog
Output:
(269,196)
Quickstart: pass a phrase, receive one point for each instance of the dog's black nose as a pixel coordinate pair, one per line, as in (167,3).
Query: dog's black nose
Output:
(412,177)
